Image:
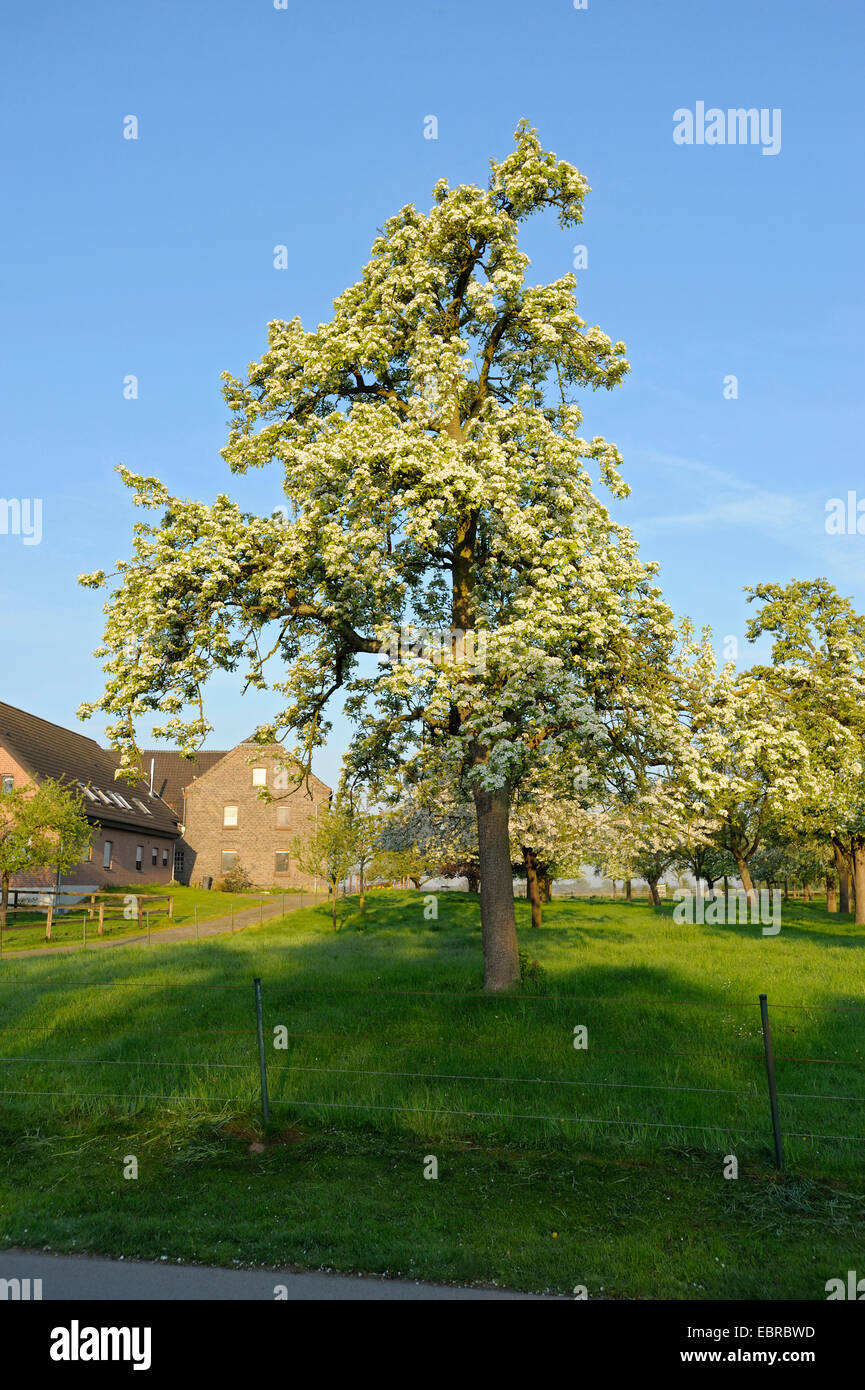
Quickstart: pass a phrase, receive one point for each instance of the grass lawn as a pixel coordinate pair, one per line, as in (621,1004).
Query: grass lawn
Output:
(26,931)
(556,1166)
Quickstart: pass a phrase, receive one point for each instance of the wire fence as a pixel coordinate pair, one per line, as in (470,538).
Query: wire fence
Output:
(95,920)
(322,1072)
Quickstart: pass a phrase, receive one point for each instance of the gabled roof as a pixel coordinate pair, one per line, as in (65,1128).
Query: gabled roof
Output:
(270,752)
(48,750)
(172,773)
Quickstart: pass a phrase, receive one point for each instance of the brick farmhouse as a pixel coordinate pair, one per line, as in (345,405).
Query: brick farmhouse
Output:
(191,821)
(134,833)
(224,820)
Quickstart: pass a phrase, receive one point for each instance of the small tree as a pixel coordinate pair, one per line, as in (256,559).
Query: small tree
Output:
(39,827)
(364,827)
(398,864)
(329,852)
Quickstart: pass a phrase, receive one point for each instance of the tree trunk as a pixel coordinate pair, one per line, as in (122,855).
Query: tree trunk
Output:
(545,884)
(498,921)
(653,892)
(4,902)
(831,894)
(745,876)
(628,889)
(533,888)
(857,846)
(614,890)
(843,877)
(333,904)
(473,879)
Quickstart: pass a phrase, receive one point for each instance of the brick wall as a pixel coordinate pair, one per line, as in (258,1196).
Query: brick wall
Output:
(257,837)
(122,870)
(10,768)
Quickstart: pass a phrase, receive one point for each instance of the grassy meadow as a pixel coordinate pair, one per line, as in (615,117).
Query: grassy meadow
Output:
(557,1165)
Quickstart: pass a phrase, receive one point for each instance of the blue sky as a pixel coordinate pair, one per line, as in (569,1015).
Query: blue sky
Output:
(305,127)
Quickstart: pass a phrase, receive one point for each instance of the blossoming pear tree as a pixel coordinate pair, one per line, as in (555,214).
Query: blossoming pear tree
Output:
(818,669)
(752,762)
(428,443)
(550,835)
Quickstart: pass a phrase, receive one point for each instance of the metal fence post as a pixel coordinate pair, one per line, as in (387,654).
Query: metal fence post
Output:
(84,922)
(770,1073)
(262,1064)
(260,911)
(195,910)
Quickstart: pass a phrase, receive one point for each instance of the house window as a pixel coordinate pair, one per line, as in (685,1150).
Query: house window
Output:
(283,817)
(282,861)
(259,776)
(229,816)
(154,855)
(280,780)
(229,860)
(165,859)
(106,854)
(8,784)
(139,857)
(178,862)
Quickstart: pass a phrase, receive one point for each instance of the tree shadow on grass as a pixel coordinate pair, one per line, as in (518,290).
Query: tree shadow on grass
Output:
(387,1031)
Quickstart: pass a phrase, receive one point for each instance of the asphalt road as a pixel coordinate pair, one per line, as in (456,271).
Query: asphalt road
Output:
(90,1278)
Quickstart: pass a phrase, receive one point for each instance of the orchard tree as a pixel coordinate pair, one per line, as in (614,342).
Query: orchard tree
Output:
(750,762)
(431,830)
(397,864)
(365,824)
(551,831)
(329,852)
(428,443)
(818,669)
